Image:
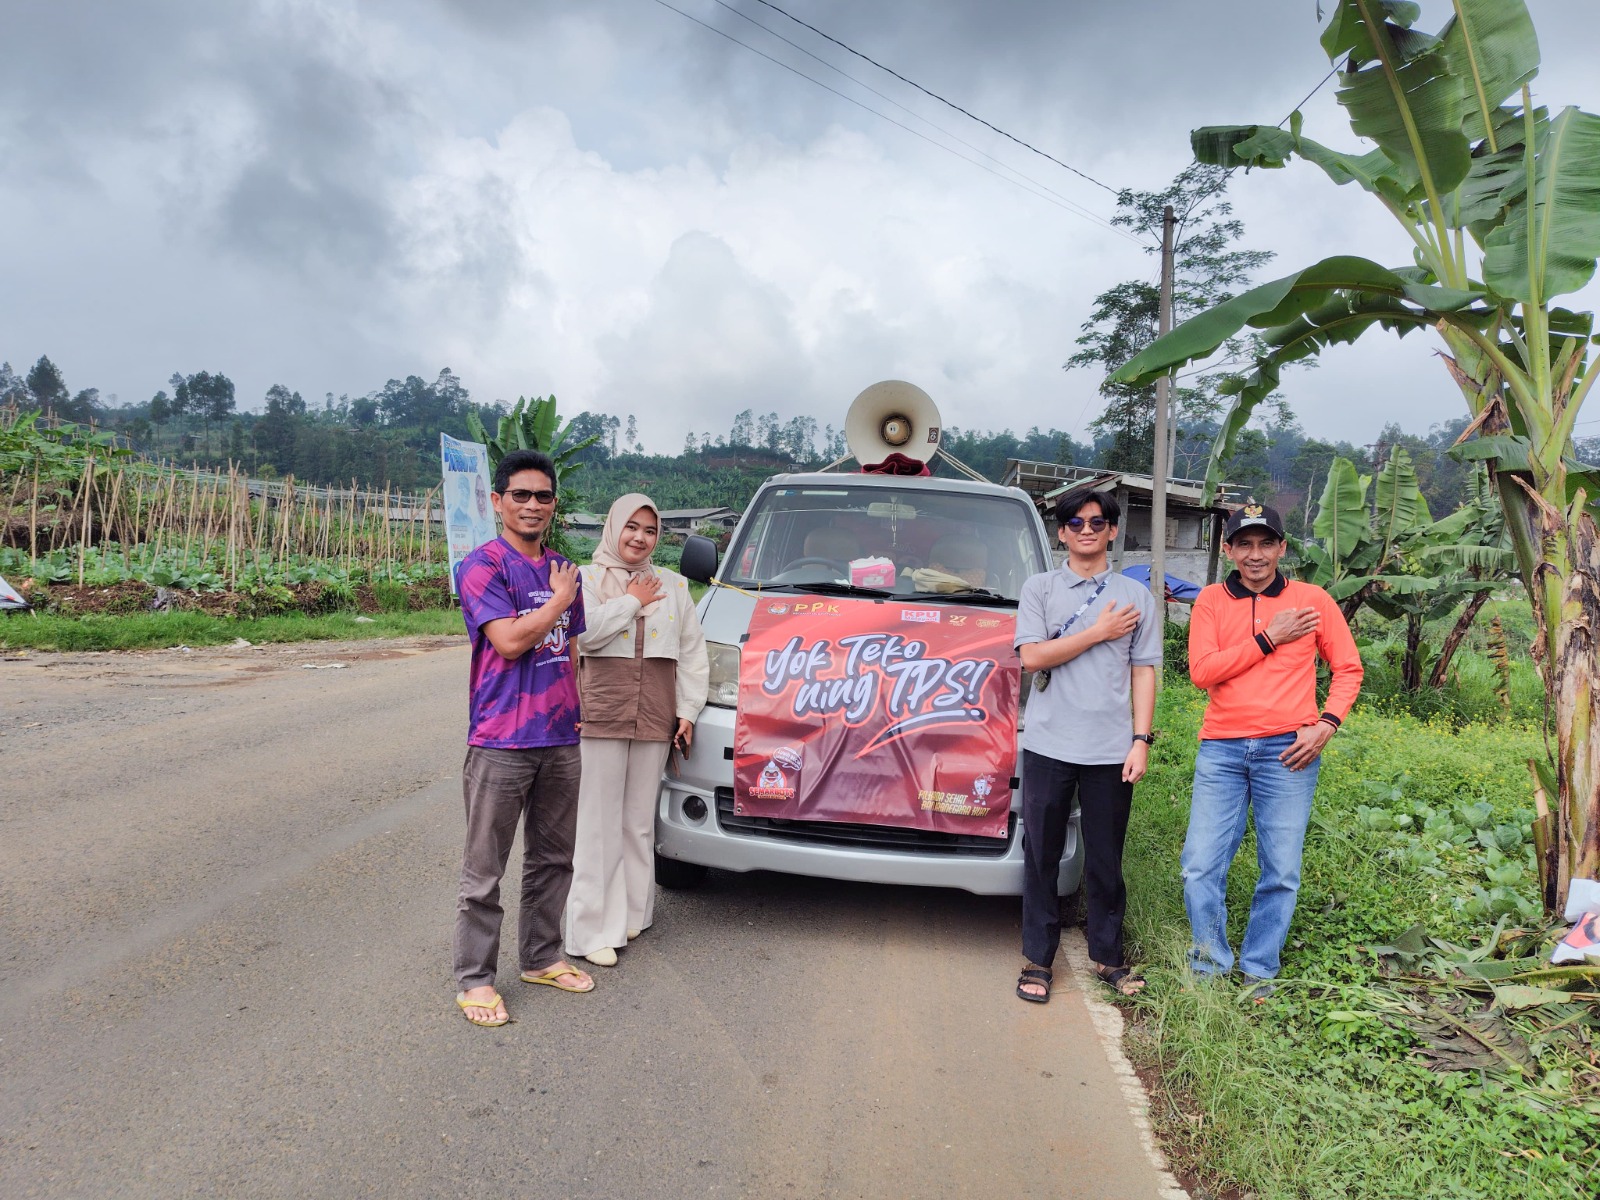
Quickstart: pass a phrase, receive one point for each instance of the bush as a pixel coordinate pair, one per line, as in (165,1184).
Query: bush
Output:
(391,597)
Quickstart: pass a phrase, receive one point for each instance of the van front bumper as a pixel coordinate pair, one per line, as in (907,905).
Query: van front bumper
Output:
(824,850)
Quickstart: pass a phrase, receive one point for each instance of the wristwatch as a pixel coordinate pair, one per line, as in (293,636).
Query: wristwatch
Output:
(1149,739)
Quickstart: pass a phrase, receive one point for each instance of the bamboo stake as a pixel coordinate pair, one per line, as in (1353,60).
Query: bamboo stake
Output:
(138,512)
(427,527)
(285,519)
(88,504)
(325,535)
(233,529)
(33,515)
(211,514)
(261,525)
(109,526)
(191,519)
(165,522)
(15,490)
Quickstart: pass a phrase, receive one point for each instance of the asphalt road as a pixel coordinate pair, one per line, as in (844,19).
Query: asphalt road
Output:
(227,880)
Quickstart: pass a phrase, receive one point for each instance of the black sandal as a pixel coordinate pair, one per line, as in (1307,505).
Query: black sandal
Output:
(1036,977)
(1117,979)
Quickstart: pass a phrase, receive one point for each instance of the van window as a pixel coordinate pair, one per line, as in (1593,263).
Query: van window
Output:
(962,540)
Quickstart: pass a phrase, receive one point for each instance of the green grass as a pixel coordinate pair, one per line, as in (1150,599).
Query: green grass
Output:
(154,631)
(1314,1094)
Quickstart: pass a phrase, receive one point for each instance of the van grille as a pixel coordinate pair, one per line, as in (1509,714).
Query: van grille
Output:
(843,835)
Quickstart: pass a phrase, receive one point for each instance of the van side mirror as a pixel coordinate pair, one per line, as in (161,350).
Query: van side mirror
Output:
(699,561)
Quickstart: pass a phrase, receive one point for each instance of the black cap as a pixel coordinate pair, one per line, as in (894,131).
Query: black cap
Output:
(1251,514)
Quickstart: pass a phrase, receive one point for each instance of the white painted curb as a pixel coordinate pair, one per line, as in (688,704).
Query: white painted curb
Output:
(1107,1020)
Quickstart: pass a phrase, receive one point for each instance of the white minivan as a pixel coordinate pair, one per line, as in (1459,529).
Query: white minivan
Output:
(776,558)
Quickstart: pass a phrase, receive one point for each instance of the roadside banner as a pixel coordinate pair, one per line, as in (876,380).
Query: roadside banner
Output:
(468,516)
(887,713)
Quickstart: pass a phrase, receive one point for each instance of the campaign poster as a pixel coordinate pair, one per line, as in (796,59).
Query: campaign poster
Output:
(469,519)
(888,713)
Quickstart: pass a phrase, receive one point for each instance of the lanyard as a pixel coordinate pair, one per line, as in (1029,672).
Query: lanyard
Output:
(1041,679)
(1083,608)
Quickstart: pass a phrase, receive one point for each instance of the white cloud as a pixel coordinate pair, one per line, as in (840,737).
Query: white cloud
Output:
(612,204)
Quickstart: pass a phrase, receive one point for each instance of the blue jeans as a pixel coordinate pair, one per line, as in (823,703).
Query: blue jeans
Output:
(1232,776)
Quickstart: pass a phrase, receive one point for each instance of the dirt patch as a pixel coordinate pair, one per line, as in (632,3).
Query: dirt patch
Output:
(116,598)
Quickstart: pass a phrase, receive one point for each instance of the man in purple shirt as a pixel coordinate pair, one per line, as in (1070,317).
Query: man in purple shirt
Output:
(524,609)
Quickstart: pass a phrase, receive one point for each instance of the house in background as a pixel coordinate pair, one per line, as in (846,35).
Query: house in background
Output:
(1194,521)
(584,523)
(687,520)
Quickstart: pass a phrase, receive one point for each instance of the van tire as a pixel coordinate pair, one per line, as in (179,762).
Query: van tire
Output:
(679,876)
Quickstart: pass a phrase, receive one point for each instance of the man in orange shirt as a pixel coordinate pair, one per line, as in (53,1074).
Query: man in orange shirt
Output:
(1254,641)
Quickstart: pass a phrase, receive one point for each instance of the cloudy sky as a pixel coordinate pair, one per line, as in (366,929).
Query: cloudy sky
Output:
(608,201)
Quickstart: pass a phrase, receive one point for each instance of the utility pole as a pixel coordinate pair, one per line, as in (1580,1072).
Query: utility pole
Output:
(1159,472)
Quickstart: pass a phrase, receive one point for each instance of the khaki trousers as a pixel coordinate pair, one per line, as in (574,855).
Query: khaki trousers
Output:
(613,858)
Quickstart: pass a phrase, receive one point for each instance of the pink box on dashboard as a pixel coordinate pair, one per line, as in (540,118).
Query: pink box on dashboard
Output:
(872,572)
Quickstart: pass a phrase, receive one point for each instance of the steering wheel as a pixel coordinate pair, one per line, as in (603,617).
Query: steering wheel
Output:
(815,561)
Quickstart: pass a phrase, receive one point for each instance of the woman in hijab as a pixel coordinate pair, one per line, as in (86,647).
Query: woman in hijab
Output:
(642,676)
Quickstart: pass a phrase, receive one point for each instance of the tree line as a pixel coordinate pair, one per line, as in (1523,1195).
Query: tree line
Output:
(391,436)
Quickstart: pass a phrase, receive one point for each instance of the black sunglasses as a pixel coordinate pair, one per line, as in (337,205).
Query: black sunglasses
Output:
(523,495)
(1094,523)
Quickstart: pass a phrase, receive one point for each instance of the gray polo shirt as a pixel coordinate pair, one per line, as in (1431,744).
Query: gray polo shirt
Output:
(1085,716)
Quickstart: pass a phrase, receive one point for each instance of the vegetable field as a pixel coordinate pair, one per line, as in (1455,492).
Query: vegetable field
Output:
(79,511)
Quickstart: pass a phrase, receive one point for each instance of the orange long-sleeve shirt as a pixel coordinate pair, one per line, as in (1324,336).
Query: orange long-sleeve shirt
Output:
(1258,689)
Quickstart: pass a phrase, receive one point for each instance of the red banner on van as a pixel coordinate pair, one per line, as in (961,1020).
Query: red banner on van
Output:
(893,713)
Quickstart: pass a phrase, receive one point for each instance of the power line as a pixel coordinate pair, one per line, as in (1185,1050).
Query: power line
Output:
(1021,181)
(1223,182)
(939,98)
(911,112)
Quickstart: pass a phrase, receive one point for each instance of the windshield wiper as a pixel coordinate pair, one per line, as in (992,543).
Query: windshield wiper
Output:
(975,596)
(830,588)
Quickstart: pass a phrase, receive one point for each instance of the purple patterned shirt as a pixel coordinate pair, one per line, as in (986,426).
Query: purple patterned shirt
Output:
(532,701)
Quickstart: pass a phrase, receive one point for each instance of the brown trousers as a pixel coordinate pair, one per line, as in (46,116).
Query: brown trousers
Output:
(502,788)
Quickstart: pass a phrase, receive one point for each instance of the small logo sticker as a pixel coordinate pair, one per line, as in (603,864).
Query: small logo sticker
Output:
(926,615)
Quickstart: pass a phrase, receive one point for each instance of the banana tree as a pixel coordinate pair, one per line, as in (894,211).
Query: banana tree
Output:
(1501,202)
(535,425)
(1475,542)
(1360,545)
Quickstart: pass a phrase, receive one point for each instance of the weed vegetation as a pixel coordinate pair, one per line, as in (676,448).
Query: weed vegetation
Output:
(1385,1064)
(155,631)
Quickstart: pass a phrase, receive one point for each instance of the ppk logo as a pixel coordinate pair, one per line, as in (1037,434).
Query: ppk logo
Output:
(777,610)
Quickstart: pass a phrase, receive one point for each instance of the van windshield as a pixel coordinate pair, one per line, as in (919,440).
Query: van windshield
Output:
(899,540)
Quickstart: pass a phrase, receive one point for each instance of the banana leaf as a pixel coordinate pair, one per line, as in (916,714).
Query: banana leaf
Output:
(1494,44)
(1401,508)
(1564,238)
(1358,284)
(1341,521)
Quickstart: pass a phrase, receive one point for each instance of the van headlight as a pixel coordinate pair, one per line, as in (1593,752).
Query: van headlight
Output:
(724,689)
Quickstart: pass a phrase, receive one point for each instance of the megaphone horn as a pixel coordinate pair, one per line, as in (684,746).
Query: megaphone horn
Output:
(892,417)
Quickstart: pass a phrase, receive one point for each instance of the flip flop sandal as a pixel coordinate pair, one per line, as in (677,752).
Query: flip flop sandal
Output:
(552,976)
(491,1004)
(1037,976)
(1118,980)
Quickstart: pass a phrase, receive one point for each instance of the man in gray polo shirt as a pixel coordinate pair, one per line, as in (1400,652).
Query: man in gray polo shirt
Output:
(1093,639)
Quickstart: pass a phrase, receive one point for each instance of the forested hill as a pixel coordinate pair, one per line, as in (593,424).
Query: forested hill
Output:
(391,436)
